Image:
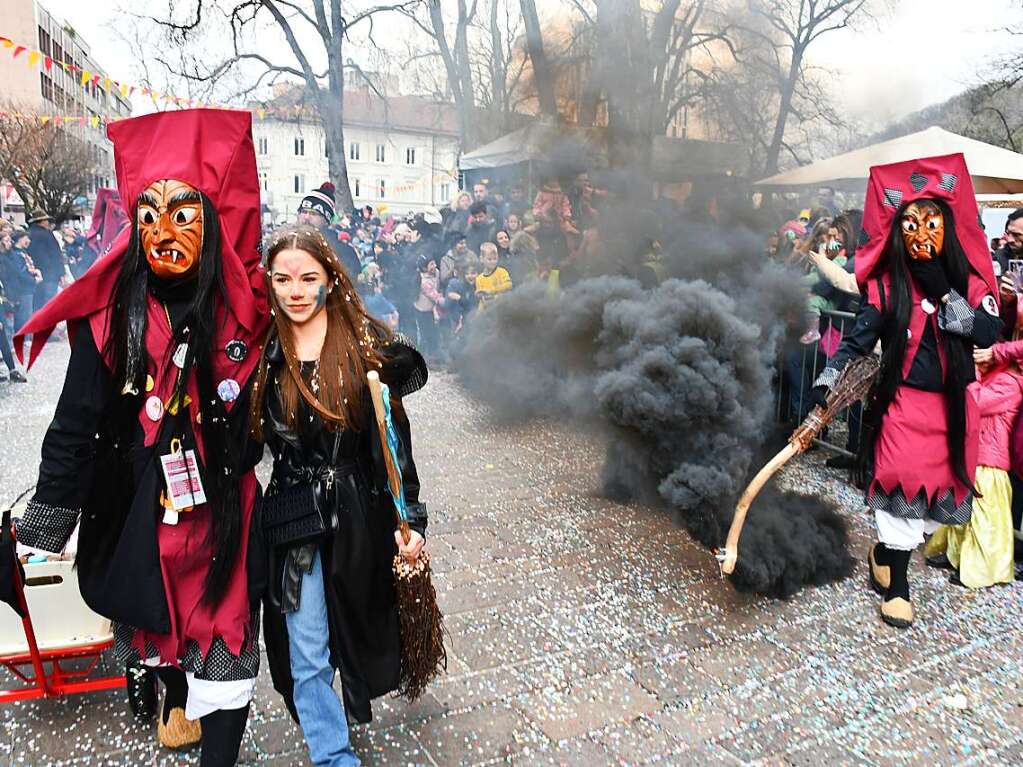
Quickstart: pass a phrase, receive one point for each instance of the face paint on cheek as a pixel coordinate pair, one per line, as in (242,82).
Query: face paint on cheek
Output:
(321,297)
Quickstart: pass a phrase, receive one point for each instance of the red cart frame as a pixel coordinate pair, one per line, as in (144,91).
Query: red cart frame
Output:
(59,681)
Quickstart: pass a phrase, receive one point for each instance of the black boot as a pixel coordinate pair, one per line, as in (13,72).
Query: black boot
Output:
(141,691)
(896,609)
(222,733)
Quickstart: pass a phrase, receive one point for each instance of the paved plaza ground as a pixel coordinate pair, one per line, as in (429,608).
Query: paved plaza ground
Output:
(586,632)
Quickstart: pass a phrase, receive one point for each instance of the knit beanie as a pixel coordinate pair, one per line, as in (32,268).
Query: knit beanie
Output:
(320,201)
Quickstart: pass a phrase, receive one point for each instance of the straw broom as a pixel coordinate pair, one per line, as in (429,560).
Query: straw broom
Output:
(421,623)
(852,385)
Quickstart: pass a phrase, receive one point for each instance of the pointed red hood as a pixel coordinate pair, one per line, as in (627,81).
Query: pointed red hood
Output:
(212,150)
(943,178)
(108,218)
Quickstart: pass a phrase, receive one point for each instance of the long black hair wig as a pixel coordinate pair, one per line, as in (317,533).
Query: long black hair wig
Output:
(126,352)
(959,371)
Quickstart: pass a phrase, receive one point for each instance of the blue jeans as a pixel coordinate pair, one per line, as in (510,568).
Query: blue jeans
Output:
(320,711)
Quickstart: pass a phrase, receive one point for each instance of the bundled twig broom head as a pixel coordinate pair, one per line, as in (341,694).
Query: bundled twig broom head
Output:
(422,626)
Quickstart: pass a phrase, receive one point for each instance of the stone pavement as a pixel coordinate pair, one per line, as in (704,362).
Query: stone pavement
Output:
(586,632)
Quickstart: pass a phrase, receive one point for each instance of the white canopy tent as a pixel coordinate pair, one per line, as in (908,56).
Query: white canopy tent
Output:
(994,170)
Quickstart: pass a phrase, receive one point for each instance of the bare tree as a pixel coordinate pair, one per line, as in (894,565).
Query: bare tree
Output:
(794,26)
(325,22)
(48,166)
(454,53)
(543,77)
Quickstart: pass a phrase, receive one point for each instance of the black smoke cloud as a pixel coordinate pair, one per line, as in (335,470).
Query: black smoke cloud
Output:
(677,379)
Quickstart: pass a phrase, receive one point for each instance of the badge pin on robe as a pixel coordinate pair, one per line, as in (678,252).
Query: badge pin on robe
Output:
(182,481)
(179,355)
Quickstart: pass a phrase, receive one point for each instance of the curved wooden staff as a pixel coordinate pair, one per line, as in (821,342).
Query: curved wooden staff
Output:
(852,385)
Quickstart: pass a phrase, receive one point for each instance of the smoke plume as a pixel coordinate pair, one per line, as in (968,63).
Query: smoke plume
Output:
(677,379)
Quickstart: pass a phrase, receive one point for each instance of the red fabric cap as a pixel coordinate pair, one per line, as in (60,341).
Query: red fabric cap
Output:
(212,150)
(944,178)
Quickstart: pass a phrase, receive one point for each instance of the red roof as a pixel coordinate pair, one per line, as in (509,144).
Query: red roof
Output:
(364,108)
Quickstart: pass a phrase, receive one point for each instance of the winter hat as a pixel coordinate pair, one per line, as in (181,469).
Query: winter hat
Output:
(320,201)
(378,306)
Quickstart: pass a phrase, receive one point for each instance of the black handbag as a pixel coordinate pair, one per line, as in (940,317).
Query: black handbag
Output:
(297,515)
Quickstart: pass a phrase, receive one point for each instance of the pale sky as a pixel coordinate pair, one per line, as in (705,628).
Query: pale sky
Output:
(923,53)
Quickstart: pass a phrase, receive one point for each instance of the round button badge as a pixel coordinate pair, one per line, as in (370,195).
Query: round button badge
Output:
(236,350)
(228,390)
(154,408)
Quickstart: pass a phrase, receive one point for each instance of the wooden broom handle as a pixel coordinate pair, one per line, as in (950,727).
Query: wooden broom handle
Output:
(731,553)
(393,476)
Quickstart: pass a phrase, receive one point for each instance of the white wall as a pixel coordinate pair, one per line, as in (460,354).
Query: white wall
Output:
(407,188)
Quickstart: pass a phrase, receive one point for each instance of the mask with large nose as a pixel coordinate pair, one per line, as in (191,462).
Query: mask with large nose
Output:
(171,228)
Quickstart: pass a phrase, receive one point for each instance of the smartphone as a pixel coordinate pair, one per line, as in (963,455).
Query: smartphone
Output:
(1016,272)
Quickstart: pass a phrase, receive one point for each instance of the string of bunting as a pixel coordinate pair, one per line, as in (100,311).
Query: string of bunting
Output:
(37,59)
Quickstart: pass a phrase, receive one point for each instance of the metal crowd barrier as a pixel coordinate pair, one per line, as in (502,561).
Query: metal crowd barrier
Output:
(798,368)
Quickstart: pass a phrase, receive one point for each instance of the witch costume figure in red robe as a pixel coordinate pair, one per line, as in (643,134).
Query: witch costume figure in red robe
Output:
(148,447)
(928,293)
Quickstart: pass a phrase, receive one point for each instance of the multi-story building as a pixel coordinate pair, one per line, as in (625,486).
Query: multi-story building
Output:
(56,91)
(401,151)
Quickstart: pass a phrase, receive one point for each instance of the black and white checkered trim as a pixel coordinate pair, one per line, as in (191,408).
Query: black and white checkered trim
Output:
(944,510)
(917,180)
(892,197)
(948,182)
(828,377)
(956,316)
(46,527)
(219,665)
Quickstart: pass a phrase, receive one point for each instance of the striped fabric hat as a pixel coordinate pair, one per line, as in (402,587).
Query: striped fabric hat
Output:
(320,201)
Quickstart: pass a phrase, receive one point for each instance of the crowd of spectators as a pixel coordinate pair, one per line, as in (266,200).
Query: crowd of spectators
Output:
(429,274)
(34,263)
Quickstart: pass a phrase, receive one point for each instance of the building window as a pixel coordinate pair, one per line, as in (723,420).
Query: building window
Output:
(381,189)
(381,153)
(356,188)
(445,192)
(299,147)
(262,145)
(46,86)
(44,42)
(299,184)
(264,182)
(326,148)
(353,150)
(410,156)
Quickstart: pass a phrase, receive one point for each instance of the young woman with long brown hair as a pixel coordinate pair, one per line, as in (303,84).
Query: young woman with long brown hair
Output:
(331,597)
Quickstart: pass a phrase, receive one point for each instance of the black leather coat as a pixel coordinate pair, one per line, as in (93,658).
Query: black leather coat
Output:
(364,639)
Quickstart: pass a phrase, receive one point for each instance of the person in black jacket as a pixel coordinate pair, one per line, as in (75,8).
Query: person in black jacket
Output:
(331,602)
(317,210)
(46,256)
(20,278)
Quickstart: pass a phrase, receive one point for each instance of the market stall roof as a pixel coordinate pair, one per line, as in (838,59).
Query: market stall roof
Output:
(673,158)
(994,170)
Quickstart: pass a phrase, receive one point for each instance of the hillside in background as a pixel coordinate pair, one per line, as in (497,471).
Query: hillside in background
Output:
(990,113)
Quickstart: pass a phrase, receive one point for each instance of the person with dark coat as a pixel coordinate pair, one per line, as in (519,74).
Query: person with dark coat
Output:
(331,602)
(20,277)
(482,227)
(149,450)
(46,256)
(1013,239)
(317,209)
(80,256)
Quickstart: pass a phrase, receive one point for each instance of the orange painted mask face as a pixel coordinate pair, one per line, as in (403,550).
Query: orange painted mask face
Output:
(171,228)
(923,230)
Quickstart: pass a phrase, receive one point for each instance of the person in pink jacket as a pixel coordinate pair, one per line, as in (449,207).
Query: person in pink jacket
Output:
(981,551)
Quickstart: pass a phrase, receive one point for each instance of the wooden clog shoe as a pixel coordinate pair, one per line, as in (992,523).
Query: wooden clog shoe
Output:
(177,732)
(897,612)
(880,575)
